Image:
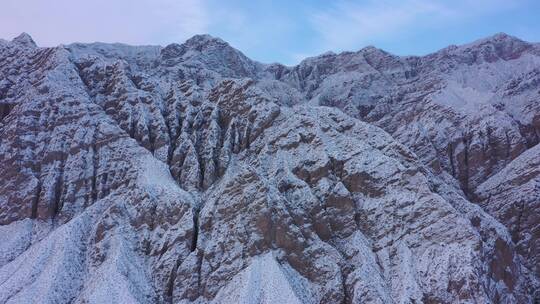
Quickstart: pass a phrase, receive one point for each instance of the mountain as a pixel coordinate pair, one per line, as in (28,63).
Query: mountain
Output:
(192,174)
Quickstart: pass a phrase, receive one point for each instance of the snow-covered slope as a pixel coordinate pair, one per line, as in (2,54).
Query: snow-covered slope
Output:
(192,174)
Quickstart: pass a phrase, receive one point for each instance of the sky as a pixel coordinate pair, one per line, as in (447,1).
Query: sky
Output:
(284,31)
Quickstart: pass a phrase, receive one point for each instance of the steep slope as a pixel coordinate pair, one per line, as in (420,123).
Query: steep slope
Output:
(462,109)
(192,174)
(512,196)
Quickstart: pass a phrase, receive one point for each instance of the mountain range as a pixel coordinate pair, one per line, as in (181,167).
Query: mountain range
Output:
(192,174)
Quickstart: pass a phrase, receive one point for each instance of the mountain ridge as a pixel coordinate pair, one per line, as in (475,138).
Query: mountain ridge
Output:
(160,174)
(207,38)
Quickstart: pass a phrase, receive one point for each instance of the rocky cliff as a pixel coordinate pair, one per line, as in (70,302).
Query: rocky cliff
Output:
(192,174)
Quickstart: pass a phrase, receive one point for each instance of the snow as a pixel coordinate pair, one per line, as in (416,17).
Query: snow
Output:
(15,238)
(155,177)
(462,98)
(120,279)
(262,282)
(524,169)
(417,233)
(51,270)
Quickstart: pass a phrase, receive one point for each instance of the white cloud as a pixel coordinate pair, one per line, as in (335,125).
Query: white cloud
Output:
(285,31)
(348,24)
(53,22)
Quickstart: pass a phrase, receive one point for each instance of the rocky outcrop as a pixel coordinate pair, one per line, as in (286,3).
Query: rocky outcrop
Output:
(192,174)
(452,108)
(512,197)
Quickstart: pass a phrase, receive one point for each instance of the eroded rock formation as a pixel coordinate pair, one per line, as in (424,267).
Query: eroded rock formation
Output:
(192,174)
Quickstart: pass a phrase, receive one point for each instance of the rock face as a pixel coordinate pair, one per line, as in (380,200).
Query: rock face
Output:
(192,174)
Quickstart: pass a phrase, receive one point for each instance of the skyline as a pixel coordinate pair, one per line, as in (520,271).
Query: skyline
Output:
(274,31)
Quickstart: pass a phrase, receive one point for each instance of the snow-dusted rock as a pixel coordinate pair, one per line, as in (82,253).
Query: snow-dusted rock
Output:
(192,174)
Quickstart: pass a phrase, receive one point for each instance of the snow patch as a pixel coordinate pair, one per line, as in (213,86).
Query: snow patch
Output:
(462,98)
(154,175)
(264,281)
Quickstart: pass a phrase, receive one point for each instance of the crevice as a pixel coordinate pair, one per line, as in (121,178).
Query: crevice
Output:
(151,136)
(247,137)
(172,279)
(104,190)
(527,131)
(344,274)
(508,147)
(95,161)
(173,121)
(465,182)
(131,126)
(195,237)
(5,109)
(200,256)
(516,234)
(35,202)
(200,163)
(58,189)
(451,158)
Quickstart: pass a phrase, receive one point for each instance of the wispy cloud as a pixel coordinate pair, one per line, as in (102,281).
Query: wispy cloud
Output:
(179,19)
(272,30)
(348,24)
(138,22)
(268,28)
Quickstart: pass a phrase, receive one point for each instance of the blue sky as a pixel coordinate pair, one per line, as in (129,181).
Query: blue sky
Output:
(274,31)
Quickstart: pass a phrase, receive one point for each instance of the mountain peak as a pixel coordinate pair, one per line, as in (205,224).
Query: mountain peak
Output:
(214,53)
(491,48)
(498,39)
(163,167)
(199,43)
(502,35)
(370,48)
(202,41)
(25,40)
